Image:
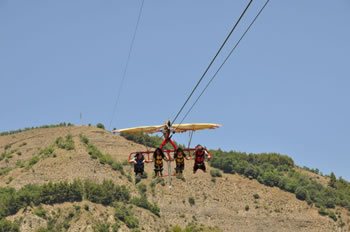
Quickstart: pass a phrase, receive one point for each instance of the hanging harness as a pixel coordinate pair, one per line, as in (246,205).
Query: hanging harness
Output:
(179,159)
(199,159)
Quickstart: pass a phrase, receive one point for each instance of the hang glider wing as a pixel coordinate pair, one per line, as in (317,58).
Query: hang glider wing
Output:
(179,128)
(140,129)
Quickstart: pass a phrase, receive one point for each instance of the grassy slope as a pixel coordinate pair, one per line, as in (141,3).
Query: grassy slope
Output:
(227,202)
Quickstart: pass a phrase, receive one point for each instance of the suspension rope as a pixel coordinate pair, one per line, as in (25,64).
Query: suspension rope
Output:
(228,56)
(212,61)
(126,65)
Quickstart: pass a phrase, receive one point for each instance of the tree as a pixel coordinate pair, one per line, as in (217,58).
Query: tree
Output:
(100,125)
(332,181)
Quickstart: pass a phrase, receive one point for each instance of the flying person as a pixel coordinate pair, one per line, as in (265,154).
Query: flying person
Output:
(158,157)
(139,165)
(179,157)
(199,157)
(167,130)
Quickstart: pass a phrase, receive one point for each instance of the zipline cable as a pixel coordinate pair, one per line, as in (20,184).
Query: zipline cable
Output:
(212,61)
(126,65)
(228,56)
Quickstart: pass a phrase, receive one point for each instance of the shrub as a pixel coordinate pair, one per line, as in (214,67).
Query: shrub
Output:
(301,193)
(272,169)
(46,152)
(191,201)
(333,216)
(256,196)
(101,227)
(40,212)
(5,170)
(142,189)
(215,173)
(7,226)
(332,180)
(84,139)
(66,143)
(106,159)
(270,178)
(194,227)
(144,203)
(106,193)
(322,211)
(100,125)
(125,215)
(117,166)
(53,193)
(35,159)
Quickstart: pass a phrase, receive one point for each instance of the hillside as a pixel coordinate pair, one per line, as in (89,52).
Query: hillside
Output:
(229,202)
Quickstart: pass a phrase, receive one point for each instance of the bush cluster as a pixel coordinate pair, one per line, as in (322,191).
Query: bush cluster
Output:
(7,226)
(95,153)
(4,170)
(52,193)
(105,193)
(278,171)
(143,202)
(124,214)
(63,124)
(215,173)
(66,143)
(194,227)
(100,125)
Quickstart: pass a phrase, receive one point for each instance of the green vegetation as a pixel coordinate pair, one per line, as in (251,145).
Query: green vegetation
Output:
(105,227)
(333,181)
(100,125)
(124,214)
(143,202)
(95,153)
(35,159)
(31,128)
(105,193)
(40,212)
(52,193)
(101,227)
(215,173)
(191,201)
(5,170)
(6,155)
(47,152)
(273,170)
(277,170)
(194,227)
(43,153)
(66,143)
(7,226)
(256,196)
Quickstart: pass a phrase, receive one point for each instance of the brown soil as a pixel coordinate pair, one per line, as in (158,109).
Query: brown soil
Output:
(226,202)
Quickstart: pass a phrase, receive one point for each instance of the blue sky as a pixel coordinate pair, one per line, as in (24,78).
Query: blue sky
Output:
(285,89)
